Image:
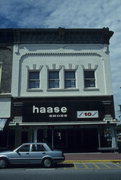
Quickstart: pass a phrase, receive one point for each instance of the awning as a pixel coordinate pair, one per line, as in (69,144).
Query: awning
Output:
(2,123)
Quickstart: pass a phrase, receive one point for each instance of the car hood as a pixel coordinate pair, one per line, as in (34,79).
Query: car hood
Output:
(5,152)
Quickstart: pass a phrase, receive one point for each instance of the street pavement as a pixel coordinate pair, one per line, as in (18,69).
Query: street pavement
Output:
(86,166)
(76,171)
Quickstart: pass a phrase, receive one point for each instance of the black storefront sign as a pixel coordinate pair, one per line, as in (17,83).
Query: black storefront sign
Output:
(61,111)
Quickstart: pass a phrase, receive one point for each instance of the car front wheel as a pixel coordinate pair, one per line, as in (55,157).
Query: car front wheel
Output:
(47,162)
(3,163)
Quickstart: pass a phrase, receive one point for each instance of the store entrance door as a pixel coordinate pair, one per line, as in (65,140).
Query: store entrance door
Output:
(60,139)
(53,137)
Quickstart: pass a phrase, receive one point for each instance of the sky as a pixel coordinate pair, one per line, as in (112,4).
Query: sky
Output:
(70,14)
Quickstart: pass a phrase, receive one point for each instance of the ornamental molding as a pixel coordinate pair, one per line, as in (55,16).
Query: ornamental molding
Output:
(56,67)
(89,67)
(61,54)
(34,67)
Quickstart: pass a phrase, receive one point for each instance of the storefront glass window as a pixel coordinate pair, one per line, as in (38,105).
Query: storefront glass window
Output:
(106,137)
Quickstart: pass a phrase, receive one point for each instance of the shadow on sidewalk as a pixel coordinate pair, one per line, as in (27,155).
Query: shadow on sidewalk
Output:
(66,165)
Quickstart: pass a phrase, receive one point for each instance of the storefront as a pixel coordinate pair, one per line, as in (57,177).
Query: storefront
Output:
(5,114)
(72,124)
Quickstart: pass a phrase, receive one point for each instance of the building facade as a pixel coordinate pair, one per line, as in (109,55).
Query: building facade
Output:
(6,52)
(61,89)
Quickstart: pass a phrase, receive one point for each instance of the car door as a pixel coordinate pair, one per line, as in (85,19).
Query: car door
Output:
(37,153)
(23,155)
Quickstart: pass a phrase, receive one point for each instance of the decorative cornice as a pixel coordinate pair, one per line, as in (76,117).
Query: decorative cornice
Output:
(61,54)
(64,54)
(55,36)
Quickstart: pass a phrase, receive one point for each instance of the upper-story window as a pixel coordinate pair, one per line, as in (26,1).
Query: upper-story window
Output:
(89,78)
(34,79)
(53,79)
(70,79)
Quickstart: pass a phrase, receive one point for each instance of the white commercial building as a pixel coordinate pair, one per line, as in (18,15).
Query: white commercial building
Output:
(61,89)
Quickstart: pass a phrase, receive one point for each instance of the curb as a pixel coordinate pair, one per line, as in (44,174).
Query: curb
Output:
(90,161)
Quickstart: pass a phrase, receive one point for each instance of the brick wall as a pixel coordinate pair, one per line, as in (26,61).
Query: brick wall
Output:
(6,61)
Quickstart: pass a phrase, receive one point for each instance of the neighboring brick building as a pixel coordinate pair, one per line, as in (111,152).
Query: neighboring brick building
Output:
(6,53)
(61,89)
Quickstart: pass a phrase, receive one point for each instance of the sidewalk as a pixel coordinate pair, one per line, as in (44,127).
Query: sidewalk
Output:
(93,157)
